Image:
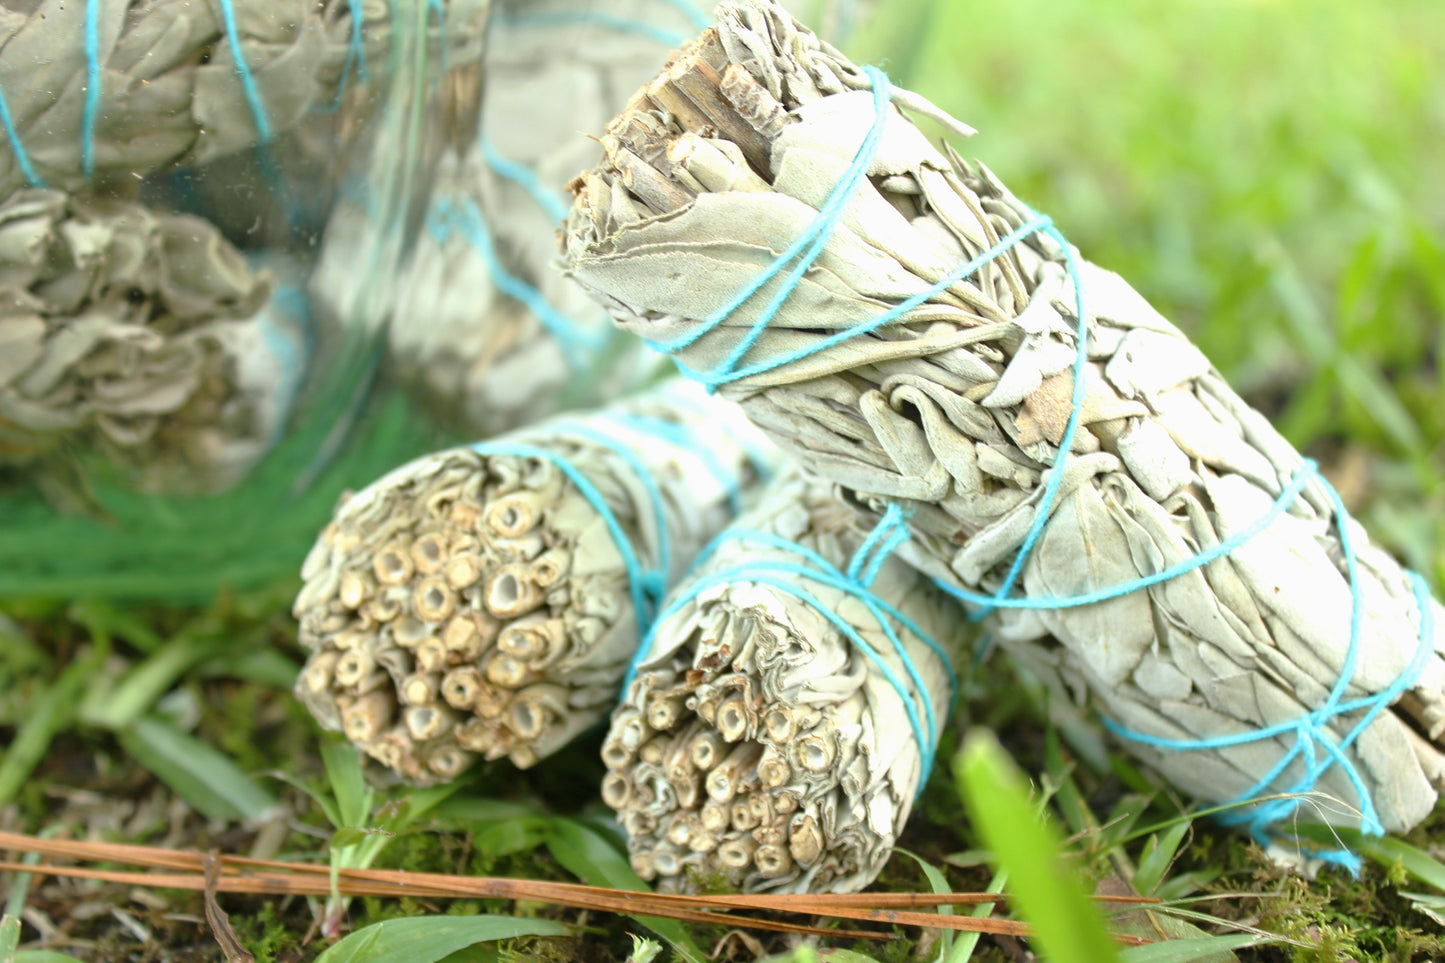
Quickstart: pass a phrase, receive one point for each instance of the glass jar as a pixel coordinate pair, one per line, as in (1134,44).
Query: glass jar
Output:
(255,252)
(178,409)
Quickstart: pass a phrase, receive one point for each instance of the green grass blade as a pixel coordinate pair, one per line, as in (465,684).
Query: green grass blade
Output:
(586,854)
(265,667)
(326,804)
(416,803)
(42,956)
(200,774)
(480,953)
(1159,853)
(965,944)
(1205,949)
(1067,927)
(939,884)
(9,937)
(1385,850)
(348,783)
(52,714)
(136,694)
(589,856)
(498,827)
(429,939)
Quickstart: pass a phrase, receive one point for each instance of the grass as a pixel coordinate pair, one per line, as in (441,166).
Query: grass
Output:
(1265,171)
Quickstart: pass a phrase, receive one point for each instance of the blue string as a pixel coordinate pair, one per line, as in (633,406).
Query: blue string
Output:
(1309,730)
(92,87)
(290,337)
(674,434)
(463,216)
(567,332)
(355,56)
(22,159)
(243,71)
(1308,472)
(596,18)
(655,581)
(1066,443)
(806,247)
(887,535)
(645,585)
(759,458)
(770,572)
(523,175)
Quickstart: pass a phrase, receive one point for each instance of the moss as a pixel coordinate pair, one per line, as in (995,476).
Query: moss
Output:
(269,936)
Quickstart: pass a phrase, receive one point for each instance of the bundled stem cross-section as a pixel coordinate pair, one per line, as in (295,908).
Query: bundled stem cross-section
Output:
(786,707)
(899,322)
(485,601)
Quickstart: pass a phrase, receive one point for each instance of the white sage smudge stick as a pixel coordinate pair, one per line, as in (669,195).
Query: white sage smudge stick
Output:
(485,601)
(787,706)
(142,335)
(919,341)
(170,82)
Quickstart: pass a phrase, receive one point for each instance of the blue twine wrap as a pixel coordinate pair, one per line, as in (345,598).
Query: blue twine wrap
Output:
(856,581)
(787,271)
(355,59)
(526,178)
(463,216)
(92,87)
(653,581)
(577,342)
(290,338)
(91,109)
(243,73)
(647,586)
(22,159)
(679,437)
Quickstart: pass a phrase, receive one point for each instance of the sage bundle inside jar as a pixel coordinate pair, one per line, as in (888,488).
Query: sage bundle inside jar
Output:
(167,169)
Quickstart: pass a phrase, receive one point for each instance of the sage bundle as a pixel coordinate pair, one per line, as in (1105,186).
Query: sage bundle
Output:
(122,89)
(141,335)
(1075,468)
(484,602)
(787,705)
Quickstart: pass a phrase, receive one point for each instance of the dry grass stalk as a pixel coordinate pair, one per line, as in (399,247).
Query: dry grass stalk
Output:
(178,869)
